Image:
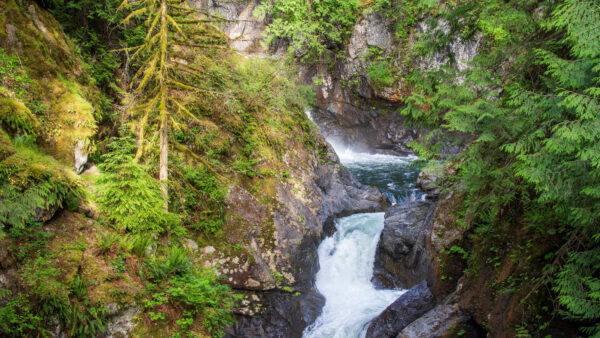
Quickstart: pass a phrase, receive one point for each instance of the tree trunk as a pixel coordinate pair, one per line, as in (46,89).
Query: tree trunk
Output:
(164,163)
(164,139)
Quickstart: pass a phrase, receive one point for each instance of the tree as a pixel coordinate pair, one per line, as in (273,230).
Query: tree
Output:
(172,30)
(530,106)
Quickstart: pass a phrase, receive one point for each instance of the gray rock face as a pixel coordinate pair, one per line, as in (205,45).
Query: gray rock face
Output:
(122,323)
(439,322)
(428,182)
(461,50)
(246,32)
(402,256)
(407,308)
(350,110)
(80,156)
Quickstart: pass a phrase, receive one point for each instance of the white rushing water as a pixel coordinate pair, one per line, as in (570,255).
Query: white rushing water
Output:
(346,266)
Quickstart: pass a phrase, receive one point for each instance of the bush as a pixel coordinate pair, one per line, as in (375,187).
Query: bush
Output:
(200,293)
(380,73)
(176,263)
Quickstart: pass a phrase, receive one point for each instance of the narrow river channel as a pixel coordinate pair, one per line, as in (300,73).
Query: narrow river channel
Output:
(346,258)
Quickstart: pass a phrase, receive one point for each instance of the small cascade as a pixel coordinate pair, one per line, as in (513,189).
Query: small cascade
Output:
(395,176)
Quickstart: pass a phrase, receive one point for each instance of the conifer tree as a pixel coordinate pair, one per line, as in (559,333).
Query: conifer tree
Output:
(532,112)
(172,29)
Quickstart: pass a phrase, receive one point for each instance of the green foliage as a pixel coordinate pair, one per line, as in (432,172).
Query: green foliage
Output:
(16,116)
(197,293)
(403,13)
(94,26)
(380,72)
(200,293)
(31,182)
(204,199)
(531,135)
(310,27)
(45,299)
(106,241)
(176,263)
(17,318)
(129,197)
(14,81)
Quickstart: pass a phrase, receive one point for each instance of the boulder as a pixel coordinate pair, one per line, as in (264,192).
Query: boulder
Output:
(80,156)
(443,321)
(402,256)
(122,323)
(406,309)
(428,182)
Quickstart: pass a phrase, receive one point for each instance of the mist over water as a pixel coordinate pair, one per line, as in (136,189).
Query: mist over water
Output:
(395,176)
(346,258)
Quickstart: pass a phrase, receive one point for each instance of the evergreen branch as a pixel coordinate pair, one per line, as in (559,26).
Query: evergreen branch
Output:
(208,165)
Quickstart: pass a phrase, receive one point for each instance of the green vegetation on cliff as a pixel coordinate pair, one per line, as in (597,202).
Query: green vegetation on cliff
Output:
(530,173)
(81,250)
(312,28)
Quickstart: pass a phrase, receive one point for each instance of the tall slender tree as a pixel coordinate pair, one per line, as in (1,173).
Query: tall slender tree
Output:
(171,31)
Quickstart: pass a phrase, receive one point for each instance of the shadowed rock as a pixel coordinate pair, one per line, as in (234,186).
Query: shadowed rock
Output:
(406,309)
(402,256)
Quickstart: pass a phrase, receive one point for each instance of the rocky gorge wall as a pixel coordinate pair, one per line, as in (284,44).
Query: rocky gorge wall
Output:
(279,282)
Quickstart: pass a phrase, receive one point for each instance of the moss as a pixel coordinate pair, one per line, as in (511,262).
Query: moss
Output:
(6,147)
(59,79)
(17,117)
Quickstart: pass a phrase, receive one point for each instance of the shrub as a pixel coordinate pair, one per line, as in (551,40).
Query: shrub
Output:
(176,263)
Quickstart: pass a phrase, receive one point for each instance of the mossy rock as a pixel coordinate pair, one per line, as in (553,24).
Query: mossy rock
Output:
(17,117)
(6,147)
(60,80)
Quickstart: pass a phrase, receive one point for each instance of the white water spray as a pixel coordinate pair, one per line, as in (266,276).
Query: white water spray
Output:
(346,261)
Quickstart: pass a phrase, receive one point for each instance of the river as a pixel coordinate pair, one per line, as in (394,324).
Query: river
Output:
(346,258)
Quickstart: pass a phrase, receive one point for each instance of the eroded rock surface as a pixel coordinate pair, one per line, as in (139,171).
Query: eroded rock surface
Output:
(402,256)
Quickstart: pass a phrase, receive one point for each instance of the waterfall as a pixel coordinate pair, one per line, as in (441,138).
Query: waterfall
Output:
(346,261)
(346,258)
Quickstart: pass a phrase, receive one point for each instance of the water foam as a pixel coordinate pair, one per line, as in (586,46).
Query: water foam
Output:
(346,261)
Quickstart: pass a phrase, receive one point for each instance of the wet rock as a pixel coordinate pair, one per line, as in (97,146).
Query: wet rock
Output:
(287,316)
(407,308)
(402,255)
